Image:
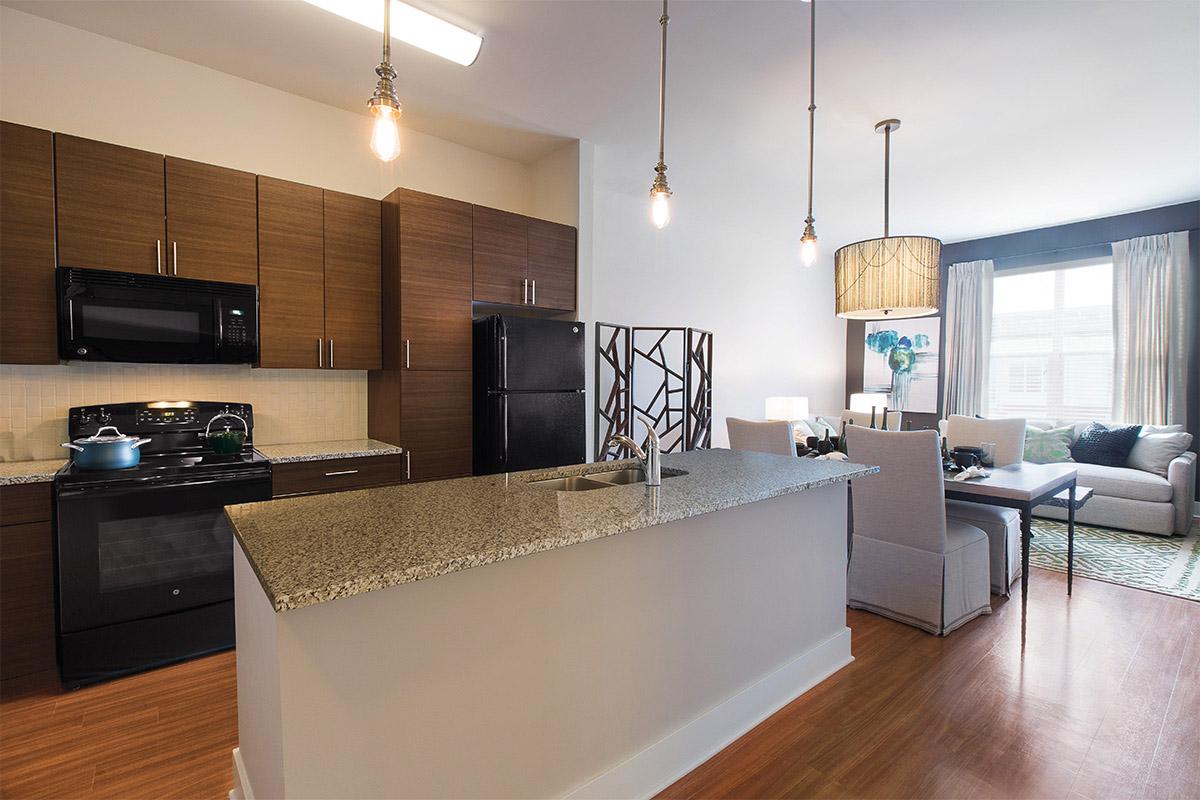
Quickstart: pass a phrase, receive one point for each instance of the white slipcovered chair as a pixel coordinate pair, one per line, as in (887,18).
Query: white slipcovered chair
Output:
(910,562)
(761,436)
(1002,525)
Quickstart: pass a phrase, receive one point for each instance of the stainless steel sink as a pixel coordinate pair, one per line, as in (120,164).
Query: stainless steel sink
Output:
(598,480)
(571,483)
(620,477)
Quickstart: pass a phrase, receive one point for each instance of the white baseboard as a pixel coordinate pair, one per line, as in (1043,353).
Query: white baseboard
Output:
(241,783)
(674,756)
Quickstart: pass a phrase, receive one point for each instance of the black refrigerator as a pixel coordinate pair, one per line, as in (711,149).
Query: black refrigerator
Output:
(528,394)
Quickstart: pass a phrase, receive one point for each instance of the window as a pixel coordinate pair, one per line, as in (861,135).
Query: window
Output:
(1052,342)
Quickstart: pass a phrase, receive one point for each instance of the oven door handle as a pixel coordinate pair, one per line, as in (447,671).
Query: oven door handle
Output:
(166,483)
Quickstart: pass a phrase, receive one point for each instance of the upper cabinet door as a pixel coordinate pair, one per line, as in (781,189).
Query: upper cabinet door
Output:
(27,294)
(352,281)
(111,206)
(551,265)
(212,223)
(501,256)
(435,281)
(291,275)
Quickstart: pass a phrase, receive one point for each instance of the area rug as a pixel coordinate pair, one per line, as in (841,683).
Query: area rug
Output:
(1155,563)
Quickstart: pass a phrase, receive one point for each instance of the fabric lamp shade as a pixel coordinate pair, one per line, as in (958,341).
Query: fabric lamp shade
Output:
(895,277)
(787,408)
(865,401)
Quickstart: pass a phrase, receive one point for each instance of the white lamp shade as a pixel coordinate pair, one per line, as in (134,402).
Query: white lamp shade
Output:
(789,408)
(865,401)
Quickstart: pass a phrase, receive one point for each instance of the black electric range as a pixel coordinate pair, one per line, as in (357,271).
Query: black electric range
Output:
(144,555)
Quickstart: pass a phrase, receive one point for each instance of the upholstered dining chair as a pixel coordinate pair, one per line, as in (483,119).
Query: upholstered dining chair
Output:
(1002,525)
(766,436)
(863,418)
(910,562)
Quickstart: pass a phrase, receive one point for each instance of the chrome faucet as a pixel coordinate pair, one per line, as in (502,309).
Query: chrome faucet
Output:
(650,458)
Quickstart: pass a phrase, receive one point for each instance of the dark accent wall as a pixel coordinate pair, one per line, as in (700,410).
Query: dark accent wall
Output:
(1080,239)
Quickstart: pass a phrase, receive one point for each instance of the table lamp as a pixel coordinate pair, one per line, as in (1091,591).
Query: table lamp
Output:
(792,409)
(868,401)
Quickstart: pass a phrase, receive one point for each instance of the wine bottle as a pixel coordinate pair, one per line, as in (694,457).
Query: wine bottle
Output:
(885,418)
(842,447)
(872,417)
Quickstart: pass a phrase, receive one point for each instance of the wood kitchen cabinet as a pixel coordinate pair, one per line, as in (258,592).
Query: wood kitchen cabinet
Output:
(435,423)
(552,265)
(111,206)
(26,580)
(318,278)
(291,275)
(352,266)
(501,256)
(523,261)
(435,281)
(27,293)
(212,222)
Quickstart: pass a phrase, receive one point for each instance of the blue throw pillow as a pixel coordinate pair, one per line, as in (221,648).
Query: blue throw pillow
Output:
(1108,447)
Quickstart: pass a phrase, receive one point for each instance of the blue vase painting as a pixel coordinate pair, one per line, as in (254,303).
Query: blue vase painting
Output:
(900,359)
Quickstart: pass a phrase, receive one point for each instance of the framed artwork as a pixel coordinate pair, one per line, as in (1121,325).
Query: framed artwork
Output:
(900,359)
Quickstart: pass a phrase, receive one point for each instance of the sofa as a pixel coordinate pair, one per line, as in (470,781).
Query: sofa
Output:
(1129,498)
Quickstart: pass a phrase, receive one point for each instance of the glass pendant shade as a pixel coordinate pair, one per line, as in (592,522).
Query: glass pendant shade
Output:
(385,133)
(660,209)
(808,251)
(890,278)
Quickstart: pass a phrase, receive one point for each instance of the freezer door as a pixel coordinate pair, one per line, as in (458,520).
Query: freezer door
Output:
(540,354)
(540,430)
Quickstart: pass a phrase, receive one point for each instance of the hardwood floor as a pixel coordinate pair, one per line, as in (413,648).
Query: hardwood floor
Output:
(1104,701)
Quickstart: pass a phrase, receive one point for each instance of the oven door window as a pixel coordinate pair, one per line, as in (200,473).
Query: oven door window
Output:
(157,327)
(133,551)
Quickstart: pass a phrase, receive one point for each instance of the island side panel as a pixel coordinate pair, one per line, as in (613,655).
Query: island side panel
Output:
(259,714)
(544,675)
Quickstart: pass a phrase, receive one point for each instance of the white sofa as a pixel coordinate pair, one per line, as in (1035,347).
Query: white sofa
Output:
(1130,498)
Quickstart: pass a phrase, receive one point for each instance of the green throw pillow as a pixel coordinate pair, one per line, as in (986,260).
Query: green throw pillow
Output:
(1048,447)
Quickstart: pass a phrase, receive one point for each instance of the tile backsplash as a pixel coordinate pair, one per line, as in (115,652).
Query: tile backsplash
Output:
(290,406)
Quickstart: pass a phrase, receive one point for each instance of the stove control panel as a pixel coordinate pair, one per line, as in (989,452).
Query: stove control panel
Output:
(166,416)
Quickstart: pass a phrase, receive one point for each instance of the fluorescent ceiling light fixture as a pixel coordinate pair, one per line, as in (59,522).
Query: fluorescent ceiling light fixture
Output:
(411,26)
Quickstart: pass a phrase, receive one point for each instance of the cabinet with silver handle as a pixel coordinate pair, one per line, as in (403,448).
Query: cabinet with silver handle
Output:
(336,474)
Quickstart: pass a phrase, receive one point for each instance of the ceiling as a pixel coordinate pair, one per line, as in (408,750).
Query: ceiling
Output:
(1015,115)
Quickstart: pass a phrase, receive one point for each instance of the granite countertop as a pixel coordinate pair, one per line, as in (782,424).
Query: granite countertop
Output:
(320,451)
(14,472)
(309,550)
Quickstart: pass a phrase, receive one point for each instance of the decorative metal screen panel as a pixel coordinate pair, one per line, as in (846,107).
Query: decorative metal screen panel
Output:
(614,387)
(660,374)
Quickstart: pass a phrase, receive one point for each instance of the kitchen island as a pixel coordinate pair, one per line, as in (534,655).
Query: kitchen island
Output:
(497,637)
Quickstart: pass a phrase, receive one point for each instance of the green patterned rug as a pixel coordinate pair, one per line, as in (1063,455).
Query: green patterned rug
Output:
(1155,563)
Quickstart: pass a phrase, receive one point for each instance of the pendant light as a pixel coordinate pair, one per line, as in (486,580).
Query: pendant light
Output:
(660,193)
(890,278)
(384,104)
(808,242)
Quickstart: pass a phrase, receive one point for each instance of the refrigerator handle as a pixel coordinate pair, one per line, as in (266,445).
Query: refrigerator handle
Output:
(504,428)
(503,382)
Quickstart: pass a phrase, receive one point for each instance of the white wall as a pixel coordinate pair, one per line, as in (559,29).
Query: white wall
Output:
(64,79)
(728,262)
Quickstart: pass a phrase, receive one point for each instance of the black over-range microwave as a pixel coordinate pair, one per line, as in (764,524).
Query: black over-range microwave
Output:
(154,319)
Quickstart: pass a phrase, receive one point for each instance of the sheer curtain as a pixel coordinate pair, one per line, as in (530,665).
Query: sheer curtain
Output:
(968,336)
(1151,315)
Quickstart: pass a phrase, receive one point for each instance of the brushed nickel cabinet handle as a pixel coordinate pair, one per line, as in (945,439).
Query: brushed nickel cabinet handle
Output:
(534,282)
(320,352)
(408,465)
(175,256)
(158,254)
(407,354)
(525,291)
(331,352)
(341,472)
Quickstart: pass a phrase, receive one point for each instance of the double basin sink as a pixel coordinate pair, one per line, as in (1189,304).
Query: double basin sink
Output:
(598,480)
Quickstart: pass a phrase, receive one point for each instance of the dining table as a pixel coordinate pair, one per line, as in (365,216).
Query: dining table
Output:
(1024,486)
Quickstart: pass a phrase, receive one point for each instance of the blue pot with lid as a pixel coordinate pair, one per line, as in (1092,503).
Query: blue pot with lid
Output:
(107,448)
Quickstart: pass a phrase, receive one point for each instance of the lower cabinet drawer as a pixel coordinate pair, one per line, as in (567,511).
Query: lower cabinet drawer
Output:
(335,474)
(24,502)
